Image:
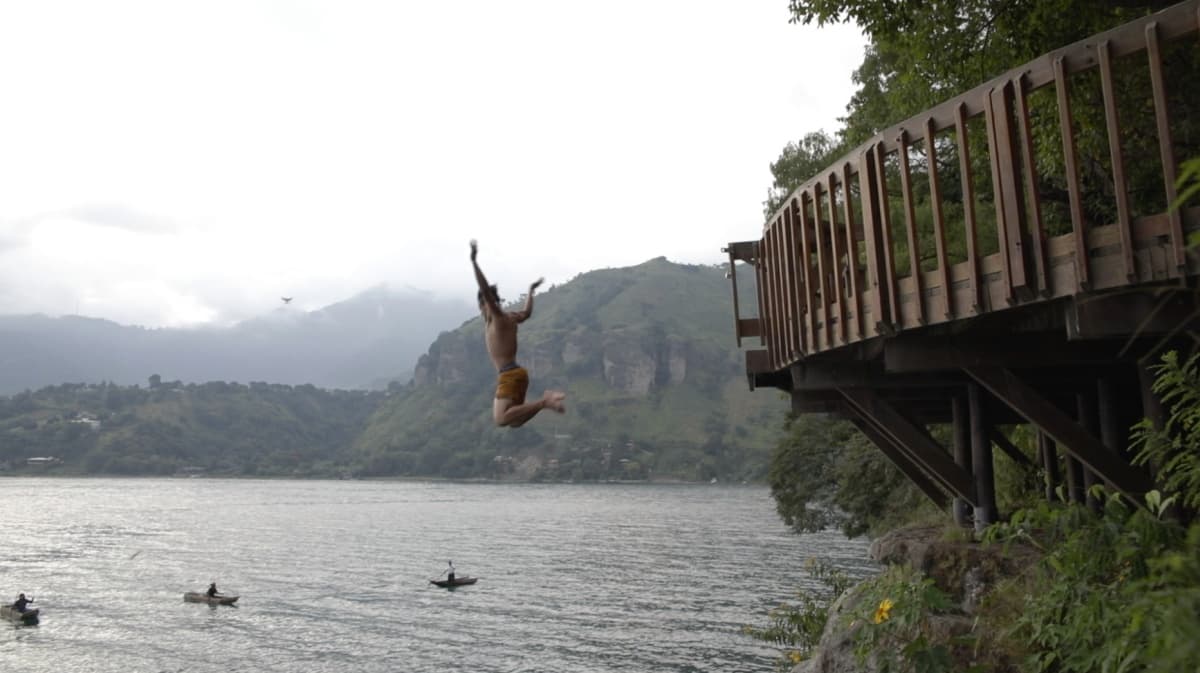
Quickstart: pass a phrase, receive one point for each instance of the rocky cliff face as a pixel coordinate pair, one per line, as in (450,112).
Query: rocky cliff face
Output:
(449,361)
(630,361)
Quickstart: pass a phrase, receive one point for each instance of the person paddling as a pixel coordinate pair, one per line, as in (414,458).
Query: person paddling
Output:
(212,590)
(20,604)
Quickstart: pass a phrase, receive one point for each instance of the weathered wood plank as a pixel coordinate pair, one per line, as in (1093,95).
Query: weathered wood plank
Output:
(1036,230)
(1112,123)
(852,268)
(836,250)
(939,222)
(1071,165)
(885,228)
(1162,120)
(971,233)
(910,228)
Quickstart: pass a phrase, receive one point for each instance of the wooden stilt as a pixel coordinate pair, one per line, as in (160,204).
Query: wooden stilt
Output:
(1049,455)
(962,453)
(981,459)
(1086,413)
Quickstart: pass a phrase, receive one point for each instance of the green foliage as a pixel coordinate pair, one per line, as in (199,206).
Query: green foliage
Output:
(214,428)
(1102,596)
(798,162)
(893,625)
(1174,450)
(825,473)
(797,627)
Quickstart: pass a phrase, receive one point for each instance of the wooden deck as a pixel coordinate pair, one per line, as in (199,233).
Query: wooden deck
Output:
(1023,307)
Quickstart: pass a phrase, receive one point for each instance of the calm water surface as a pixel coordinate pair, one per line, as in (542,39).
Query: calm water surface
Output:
(333,576)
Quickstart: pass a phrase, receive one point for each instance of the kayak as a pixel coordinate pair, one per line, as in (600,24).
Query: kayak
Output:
(30,614)
(458,582)
(199,597)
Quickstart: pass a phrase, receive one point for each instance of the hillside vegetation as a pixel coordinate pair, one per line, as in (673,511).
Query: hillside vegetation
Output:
(654,388)
(656,391)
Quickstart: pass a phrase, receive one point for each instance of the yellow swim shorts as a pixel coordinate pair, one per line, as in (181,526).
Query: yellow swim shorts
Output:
(512,385)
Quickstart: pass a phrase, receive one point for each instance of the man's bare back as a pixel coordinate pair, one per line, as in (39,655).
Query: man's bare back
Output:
(509,408)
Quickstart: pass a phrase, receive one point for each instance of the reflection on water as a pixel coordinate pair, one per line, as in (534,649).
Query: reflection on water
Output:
(334,576)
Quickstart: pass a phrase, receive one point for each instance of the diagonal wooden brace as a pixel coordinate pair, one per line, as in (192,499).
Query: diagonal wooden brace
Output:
(898,458)
(1071,437)
(934,460)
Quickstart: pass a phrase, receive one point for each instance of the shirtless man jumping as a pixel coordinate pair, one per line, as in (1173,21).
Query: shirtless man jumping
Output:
(509,409)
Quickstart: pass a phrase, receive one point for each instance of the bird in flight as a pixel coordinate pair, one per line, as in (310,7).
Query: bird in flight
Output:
(286,300)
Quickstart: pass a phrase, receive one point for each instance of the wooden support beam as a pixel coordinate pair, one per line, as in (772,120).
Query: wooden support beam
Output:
(812,375)
(1112,434)
(1049,455)
(986,512)
(1074,480)
(1086,413)
(1070,436)
(961,423)
(923,355)
(895,454)
(916,442)
(1120,314)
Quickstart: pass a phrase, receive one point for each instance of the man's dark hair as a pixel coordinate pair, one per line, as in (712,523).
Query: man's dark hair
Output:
(494,290)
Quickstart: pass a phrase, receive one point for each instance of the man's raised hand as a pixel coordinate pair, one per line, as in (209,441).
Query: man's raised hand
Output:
(474,249)
(535,285)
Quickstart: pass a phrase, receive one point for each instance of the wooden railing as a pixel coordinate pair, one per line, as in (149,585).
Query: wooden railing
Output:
(842,260)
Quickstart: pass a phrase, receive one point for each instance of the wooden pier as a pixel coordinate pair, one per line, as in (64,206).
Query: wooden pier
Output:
(964,267)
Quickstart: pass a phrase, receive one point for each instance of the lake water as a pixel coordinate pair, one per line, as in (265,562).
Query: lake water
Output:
(333,576)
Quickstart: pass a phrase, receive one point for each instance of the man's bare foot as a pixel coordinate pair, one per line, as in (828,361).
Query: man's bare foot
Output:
(553,399)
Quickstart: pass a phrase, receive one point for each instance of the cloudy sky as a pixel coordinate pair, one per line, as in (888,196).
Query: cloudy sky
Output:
(169,163)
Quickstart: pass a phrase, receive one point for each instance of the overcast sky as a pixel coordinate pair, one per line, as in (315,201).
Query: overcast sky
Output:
(171,163)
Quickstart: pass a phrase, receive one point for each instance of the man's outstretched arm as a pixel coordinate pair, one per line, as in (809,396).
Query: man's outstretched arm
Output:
(528,309)
(489,297)
(479,277)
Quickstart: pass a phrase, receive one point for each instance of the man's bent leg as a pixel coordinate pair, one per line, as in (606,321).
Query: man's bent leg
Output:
(507,414)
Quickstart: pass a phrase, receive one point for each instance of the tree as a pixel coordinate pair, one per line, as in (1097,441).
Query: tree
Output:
(799,161)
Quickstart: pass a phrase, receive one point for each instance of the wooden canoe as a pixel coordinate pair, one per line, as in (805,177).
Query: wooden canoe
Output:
(458,582)
(200,597)
(30,614)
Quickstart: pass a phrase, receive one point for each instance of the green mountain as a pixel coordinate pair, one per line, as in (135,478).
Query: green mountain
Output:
(655,389)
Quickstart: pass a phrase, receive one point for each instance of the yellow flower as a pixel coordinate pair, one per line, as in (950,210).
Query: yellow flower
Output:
(795,656)
(883,611)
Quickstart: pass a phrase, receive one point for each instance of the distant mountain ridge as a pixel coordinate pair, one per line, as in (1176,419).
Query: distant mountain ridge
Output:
(656,390)
(363,342)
